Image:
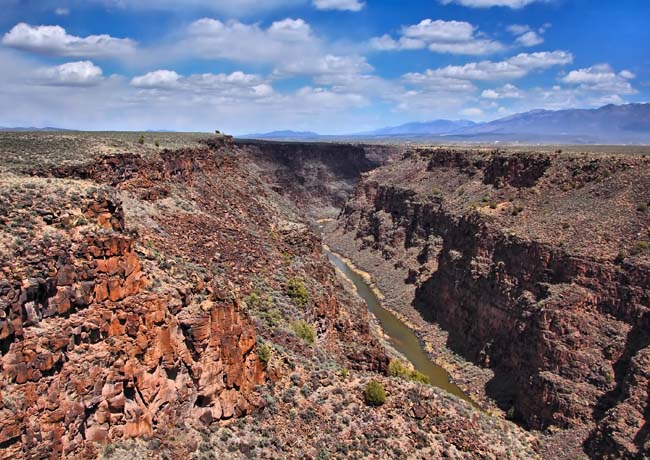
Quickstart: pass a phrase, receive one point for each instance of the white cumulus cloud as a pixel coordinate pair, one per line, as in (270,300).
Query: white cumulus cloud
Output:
(159,79)
(234,85)
(526,36)
(81,73)
(289,45)
(518,29)
(601,78)
(507,91)
(529,39)
(453,37)
(213,39)
(515,67)
(55,41)
(440,31)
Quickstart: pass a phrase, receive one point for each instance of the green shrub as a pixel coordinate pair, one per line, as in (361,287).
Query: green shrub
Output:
(265,353)
(418,376)
(157,144)
(517,210)
(141,140)
(397,369)
(642,207)
(344,373)
(374,393)
(297,291)
(639,247)
(273,317)
(305,331)
(253,299)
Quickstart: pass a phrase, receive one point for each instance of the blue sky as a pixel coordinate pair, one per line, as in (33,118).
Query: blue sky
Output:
(331,66)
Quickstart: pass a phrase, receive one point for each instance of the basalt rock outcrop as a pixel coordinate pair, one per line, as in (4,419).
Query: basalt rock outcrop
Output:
(538,267)
(177,304)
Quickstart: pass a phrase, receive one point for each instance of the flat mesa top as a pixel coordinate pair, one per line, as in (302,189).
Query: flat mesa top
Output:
(20,150)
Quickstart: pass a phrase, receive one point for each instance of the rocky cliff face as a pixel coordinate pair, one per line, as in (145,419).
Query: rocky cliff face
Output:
(537,266)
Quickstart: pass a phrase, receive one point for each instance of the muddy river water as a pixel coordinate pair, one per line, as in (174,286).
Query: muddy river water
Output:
(400,336)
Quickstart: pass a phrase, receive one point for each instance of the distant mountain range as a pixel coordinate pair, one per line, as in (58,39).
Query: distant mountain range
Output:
(428,127)
(611,124)
(616,124)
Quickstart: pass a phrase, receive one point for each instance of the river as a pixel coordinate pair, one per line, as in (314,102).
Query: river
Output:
(400,336)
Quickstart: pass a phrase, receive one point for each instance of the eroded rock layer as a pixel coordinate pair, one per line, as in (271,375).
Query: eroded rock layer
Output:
(318,177)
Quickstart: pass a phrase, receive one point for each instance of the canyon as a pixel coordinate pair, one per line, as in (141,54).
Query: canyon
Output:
(178,303)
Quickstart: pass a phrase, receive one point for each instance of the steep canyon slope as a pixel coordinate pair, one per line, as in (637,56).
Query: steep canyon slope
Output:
(538,268)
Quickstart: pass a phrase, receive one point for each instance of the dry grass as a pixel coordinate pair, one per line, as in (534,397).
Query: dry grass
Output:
(25,150)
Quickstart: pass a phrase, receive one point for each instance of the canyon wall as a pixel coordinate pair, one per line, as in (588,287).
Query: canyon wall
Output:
(145,301)
(317,177)
(538,267)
